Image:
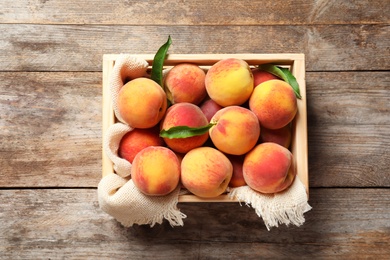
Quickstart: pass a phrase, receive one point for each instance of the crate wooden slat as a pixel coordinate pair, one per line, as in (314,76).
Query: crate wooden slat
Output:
(296,64)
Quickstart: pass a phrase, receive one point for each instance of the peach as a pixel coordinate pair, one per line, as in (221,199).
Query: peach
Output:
(156,171)
(237,179)
(185,82)
(274,103)
(229,82)
(142,103)
(184,114)
(136,140)
(206,172)
(260,76)
(269,168)
(209,108)
(280,136)
(236,130)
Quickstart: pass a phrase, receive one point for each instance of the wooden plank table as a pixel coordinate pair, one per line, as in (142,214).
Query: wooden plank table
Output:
(51,126)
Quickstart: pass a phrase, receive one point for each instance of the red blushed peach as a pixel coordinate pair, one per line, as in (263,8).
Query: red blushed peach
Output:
(136,140)
(229,82)
(185,82)
(206,172)
(280,136)
(156,171)
(260,76)
(274,103)
(236,130)
(269,168)
(184,114)
(237,179)
(209,108)
(142,103)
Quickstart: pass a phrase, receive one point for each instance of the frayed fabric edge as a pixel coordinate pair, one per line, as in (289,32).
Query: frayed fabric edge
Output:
(109,203)
(265,208)
(173,215)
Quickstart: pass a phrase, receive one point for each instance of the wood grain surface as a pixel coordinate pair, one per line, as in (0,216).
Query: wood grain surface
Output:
(37,47)
(67,223)
(197,12)
(51,126)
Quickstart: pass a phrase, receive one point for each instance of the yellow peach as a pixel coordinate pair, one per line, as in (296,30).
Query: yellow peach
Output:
(229,82)
(185,82)
(236,130)
(184,114)
(156,171)
(142,103)
(274,103)
(206,172)
(269,168)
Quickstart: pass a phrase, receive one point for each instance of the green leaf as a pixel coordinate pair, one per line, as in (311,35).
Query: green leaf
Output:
(158,62)
(185,131)
(292,81)
(284,74)
(273,69)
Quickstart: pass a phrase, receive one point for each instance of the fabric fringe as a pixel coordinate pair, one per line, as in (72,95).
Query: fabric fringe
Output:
(120,198)
(287,207)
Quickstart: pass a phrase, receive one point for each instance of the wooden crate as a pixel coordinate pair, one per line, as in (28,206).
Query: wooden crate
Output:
(296,64)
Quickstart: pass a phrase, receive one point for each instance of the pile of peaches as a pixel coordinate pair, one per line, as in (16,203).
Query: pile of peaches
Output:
(207,130)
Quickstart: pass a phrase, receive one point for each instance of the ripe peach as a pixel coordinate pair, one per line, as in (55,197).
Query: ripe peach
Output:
(142,103)
(260,76)
(274,103)
(185,82)
(269,168)
(156,171)
(229,82)
(280,136)
(184,114)
(206,172)
(237,179)
(136,140)
(209,108)
(236,130)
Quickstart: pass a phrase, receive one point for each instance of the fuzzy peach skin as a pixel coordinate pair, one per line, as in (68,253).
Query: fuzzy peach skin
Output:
(206,172)
(236,130)
(237,179)
(269,168)
(156,171)
(260,76)
(209,107)
(274,103)
(185,82)
(280,136)
(184,114)
(229,82)
(142,103)
(136,140)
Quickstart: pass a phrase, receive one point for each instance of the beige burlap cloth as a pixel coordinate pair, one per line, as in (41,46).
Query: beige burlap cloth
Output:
(119,197)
